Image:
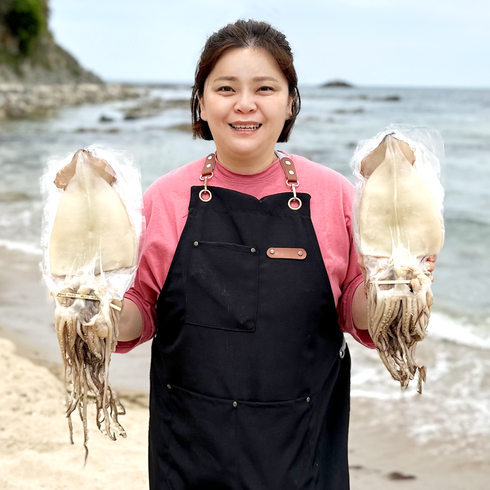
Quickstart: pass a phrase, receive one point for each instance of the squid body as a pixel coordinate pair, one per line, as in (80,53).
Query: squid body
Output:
(92,237)
(399,227)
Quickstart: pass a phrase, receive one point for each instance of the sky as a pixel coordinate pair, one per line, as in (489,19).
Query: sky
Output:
(393,43)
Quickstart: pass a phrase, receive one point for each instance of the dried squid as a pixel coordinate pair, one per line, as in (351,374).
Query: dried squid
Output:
(399,226)
(92,245)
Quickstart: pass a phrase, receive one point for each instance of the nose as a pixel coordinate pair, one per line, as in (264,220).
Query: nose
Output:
(245,103)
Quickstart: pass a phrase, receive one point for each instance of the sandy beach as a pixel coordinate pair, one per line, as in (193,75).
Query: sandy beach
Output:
(34,439)
(36,452)
(395,443)
(388,449)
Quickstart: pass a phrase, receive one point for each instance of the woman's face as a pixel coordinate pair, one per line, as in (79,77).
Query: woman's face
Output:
(245,103)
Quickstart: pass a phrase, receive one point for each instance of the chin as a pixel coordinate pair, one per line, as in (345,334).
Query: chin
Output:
(241,150)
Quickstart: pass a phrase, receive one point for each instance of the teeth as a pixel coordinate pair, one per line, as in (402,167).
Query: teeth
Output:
(246,128)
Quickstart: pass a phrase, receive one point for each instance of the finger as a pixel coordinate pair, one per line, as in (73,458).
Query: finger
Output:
(432,258)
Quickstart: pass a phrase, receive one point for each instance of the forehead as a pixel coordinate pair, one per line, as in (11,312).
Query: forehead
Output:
(246,63)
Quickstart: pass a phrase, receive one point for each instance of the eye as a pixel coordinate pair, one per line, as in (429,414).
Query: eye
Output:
(225,88)
(266,88)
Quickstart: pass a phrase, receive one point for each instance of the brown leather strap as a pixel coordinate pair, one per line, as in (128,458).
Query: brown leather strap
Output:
(209,165)
(289,170)
(286,163)
(286,253)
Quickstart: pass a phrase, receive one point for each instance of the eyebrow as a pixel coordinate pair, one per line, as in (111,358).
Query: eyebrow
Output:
(256,79)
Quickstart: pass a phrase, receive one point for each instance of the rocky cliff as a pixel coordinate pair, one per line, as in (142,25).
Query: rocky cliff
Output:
(28,52)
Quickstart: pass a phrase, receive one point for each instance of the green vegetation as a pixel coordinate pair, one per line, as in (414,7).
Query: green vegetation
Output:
(26,21)
(28,51)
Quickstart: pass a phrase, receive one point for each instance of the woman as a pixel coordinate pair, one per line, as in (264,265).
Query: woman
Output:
(248,280)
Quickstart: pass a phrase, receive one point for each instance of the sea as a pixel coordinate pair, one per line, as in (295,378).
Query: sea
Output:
(455,404)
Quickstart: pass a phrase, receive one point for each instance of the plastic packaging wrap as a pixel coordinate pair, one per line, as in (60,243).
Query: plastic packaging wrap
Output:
(398,224)
(92,238)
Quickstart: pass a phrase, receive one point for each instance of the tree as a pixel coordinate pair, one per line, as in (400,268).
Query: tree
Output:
(26,20)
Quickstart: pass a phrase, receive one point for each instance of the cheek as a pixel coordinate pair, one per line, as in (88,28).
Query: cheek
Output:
(218,110)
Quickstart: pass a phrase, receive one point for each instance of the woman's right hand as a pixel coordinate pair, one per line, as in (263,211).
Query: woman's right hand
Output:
(131,323)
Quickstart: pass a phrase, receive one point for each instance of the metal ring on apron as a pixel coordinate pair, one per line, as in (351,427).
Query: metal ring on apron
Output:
(205,190)
(202,191)
(294,198)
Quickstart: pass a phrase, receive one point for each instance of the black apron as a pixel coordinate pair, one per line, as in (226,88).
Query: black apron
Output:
(250,374)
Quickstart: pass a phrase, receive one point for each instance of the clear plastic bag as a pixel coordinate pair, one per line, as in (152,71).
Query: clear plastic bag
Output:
(92,238)
(398,224)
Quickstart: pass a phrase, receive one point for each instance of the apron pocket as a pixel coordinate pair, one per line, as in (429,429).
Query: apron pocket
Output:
(273,442)
(222,286)
(202,450)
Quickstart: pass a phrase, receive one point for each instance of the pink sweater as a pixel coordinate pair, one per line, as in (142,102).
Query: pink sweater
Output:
(166,208)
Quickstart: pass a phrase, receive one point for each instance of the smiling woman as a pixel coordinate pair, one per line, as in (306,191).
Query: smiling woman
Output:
(264,39)
(246,103)
(250,369)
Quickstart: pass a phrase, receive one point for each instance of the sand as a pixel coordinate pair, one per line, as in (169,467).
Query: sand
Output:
(35,451)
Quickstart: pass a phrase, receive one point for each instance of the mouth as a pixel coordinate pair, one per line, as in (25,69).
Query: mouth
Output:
(245,127)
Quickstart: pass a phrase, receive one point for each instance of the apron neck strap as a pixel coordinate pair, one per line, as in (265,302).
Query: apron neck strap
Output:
(208,168)
(287,165)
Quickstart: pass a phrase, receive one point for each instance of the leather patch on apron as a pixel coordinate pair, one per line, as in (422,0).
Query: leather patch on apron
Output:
(286,253)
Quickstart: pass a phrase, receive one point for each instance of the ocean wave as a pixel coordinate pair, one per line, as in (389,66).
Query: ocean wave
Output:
(459,330)
(27,248)
(379,396)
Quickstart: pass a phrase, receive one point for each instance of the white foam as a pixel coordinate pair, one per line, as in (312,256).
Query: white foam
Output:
(377,395)
(27,248)
(456,330)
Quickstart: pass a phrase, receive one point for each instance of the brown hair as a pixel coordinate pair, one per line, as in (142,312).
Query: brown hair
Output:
(244,34)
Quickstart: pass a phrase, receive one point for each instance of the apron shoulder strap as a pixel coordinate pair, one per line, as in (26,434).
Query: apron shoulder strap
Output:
(209,164)
(289,170)
(287,165)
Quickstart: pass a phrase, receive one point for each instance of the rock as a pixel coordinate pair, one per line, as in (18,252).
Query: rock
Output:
(357,110)
(153,107)
(388,98)
(31,56)
(144,109)
(97,130)
(337,83)
(397,475)
(187,127)
(19,101)
(36,75)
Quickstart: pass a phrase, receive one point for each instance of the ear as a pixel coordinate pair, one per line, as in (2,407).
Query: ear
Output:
(202,109)
(289,110)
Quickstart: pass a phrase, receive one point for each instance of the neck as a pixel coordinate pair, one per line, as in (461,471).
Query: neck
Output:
(247,164)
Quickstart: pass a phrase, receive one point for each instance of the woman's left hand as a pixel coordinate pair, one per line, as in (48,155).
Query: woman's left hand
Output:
(430,265)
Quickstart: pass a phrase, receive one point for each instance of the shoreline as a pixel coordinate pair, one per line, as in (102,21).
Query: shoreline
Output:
(24,101)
